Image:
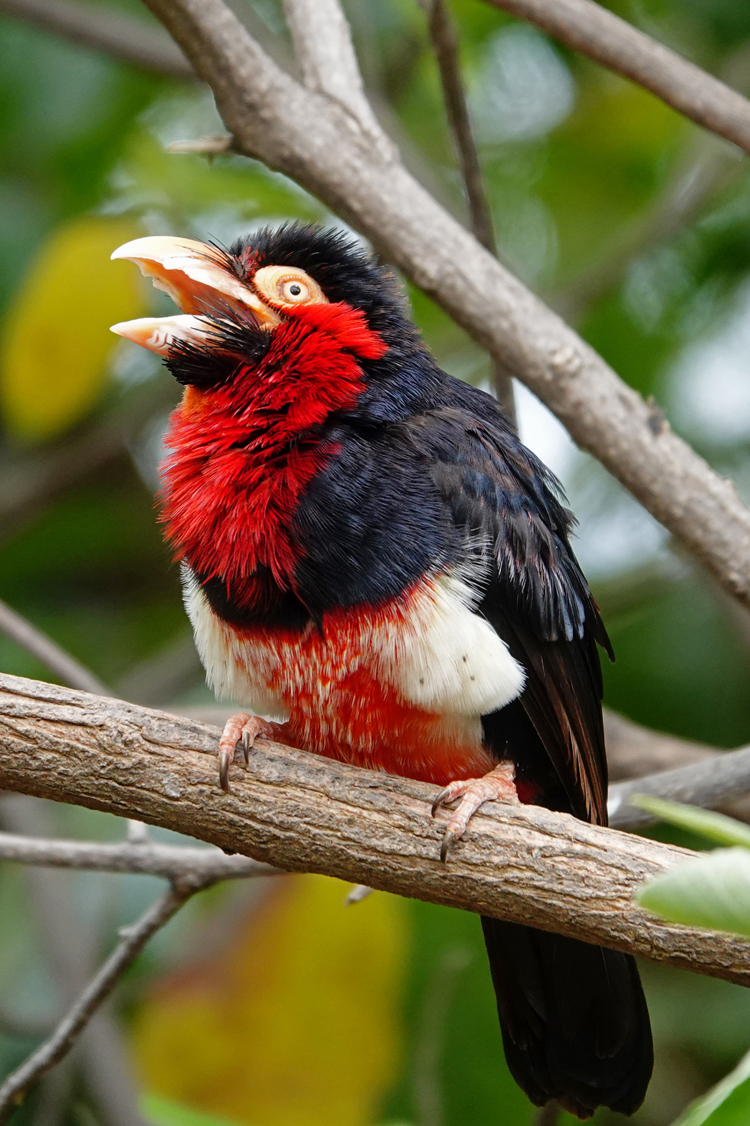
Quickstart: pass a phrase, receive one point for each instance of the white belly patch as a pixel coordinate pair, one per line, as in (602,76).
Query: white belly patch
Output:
(431,647)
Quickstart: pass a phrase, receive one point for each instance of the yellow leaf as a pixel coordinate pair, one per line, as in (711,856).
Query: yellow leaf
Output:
(297,1023)
(56,338)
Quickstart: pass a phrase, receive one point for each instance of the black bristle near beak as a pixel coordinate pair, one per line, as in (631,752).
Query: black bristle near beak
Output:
(236,340)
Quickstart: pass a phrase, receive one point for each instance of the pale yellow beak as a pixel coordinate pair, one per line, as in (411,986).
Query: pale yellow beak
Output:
(198,280)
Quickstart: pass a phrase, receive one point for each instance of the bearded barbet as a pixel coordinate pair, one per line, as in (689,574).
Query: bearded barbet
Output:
(370,554)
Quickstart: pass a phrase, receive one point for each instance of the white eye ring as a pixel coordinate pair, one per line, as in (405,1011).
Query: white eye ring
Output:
(287,286)
(294,291)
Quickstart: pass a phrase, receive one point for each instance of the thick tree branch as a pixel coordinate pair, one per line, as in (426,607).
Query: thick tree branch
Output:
(314,140)
(303,813)
(105,29)
(604,37)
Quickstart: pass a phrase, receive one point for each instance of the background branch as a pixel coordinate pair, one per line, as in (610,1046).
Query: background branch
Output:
(303,813)
(105,29)
(67,668)
(586,27)
(134,938)
(70,952)
(707,783)
(171,861)
(445,44)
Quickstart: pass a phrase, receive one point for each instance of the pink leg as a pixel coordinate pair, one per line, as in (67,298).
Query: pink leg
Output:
(471,793)
(243,729)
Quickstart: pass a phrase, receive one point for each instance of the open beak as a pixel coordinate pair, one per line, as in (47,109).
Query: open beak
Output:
(198,280)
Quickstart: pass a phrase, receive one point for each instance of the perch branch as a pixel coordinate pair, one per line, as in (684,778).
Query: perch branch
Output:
(317,141)
(303,813)
(593,31)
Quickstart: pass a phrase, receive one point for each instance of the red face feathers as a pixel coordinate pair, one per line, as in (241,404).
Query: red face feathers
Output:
(276,335)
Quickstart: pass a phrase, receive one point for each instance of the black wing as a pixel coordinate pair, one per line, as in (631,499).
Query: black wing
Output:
(536,598)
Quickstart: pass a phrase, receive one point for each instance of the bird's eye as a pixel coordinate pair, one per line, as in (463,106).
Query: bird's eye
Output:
(293,290)
(287,285)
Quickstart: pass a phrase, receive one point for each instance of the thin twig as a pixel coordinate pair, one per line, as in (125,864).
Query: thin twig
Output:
(16,1086)
(699,179)
(70,949)
(30,482)
(705,169)
(34,641)
(171,861)
(445,44)
(604,37)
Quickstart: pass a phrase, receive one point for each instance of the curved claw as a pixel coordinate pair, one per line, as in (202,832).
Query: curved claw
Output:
(439,800)
(448,838)
(471,794)
(224,762)
(240,733)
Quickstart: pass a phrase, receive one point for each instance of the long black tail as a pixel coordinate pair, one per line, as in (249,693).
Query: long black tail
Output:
(574,1019)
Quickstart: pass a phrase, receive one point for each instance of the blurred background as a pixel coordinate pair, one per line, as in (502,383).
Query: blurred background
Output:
(270,1003)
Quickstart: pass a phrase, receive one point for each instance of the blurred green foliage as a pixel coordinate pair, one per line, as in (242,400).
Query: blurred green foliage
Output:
(588,178)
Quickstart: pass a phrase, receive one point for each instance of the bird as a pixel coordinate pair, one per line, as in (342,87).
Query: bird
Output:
(372,558)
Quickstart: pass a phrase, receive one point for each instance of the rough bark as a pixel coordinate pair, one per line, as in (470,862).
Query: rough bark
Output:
(303,813)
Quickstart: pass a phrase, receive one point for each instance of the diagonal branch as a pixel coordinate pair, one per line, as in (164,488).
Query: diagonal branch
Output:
(323,46)
(445,45)
(707,783)
(16,1086)
(303,813)
(604,37)
(57,660)
(311,138)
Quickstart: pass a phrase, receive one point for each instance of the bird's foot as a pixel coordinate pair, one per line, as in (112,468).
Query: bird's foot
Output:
(241,731)
(471,793)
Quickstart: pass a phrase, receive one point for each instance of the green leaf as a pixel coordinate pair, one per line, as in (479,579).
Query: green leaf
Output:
(166,1112)
(716,826)
(726,1104)
(712,891)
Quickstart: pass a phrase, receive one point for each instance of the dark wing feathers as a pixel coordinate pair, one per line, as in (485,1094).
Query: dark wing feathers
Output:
(536,596)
